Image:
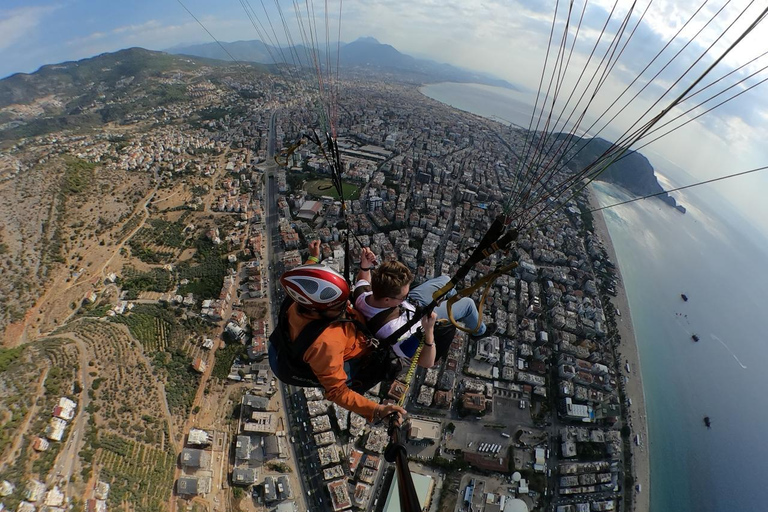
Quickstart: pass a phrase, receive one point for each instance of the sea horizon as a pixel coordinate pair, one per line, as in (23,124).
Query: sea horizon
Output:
(714,258)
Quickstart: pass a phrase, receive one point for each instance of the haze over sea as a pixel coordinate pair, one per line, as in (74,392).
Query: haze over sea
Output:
(718,260)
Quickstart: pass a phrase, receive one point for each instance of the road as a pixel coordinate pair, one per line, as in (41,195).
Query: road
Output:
(64,467)
(273,257)
(274,251)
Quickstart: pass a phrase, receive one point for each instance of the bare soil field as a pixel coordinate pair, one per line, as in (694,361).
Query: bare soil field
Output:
(56,243)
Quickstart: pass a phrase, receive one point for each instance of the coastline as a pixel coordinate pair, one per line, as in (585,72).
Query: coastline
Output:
(628,352)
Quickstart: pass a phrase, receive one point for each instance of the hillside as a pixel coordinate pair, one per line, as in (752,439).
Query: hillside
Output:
(101,89)
(99,72)
(632,172)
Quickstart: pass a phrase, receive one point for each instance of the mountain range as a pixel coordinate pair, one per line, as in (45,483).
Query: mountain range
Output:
(77,78)
(366,53)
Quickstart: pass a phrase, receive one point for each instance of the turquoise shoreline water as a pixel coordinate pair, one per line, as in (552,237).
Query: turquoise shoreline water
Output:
(718,263)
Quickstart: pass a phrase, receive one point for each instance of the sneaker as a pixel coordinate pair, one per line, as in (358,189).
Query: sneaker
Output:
(490,330)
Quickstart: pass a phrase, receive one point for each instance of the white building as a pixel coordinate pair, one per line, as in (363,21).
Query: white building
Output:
(55,430)
(488,350)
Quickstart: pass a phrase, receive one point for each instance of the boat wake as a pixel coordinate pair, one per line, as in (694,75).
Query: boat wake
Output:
(729,350)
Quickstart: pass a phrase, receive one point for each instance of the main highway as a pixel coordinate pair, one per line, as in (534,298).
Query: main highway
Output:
(298,432)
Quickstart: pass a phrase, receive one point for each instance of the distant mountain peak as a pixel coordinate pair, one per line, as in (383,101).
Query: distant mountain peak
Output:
(367,39)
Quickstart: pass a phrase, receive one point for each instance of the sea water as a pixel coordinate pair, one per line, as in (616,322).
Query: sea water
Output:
(718,261)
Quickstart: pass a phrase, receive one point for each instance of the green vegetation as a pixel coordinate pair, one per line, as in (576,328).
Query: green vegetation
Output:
(43,464)
(199,190)
(158,328)
(214,113)
(139,475)
(15,472)
(163,334)
(17,413)
(148,255)
(449,494)
(95,310)
(324,187)
(280,467)
(55,380)
(171,93)
(162,233)
(150,325)
(224,359)
(42,126)
(130,225)
(207,276)
(128,82)
(590,451)
(295,180)
(155,280)
(77,175)
(587,217)
(181,381)
(536,481)
(115,444)
(8,356)
(23,368)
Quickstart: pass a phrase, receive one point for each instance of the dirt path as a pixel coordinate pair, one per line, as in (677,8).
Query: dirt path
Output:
(19,332)
(190,420)
(200,393)
(64,466)
(122,243)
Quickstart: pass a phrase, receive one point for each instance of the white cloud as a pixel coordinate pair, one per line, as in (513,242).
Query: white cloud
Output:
(18,23)
(155,35)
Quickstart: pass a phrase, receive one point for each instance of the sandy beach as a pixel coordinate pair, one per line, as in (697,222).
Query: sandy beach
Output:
(628,354)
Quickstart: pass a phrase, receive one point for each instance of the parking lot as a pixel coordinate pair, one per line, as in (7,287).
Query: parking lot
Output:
(507,411)
(473,431)
(421,449)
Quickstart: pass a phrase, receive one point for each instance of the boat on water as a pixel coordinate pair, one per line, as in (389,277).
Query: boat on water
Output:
(695,337)
(707,422)
(684,297)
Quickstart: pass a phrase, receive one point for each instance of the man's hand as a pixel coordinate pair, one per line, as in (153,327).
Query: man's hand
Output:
(428,322)
(383,411)
(367,258)
(314,249)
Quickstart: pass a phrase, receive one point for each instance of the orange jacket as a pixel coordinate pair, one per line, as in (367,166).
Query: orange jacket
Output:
(326,356)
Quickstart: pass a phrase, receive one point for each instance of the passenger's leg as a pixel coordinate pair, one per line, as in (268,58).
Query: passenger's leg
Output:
(464,311)
(422,294)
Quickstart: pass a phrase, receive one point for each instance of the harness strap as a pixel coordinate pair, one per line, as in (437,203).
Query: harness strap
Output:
(488,281)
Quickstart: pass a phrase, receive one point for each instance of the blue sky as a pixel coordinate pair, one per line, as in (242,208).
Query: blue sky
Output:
(504,37)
